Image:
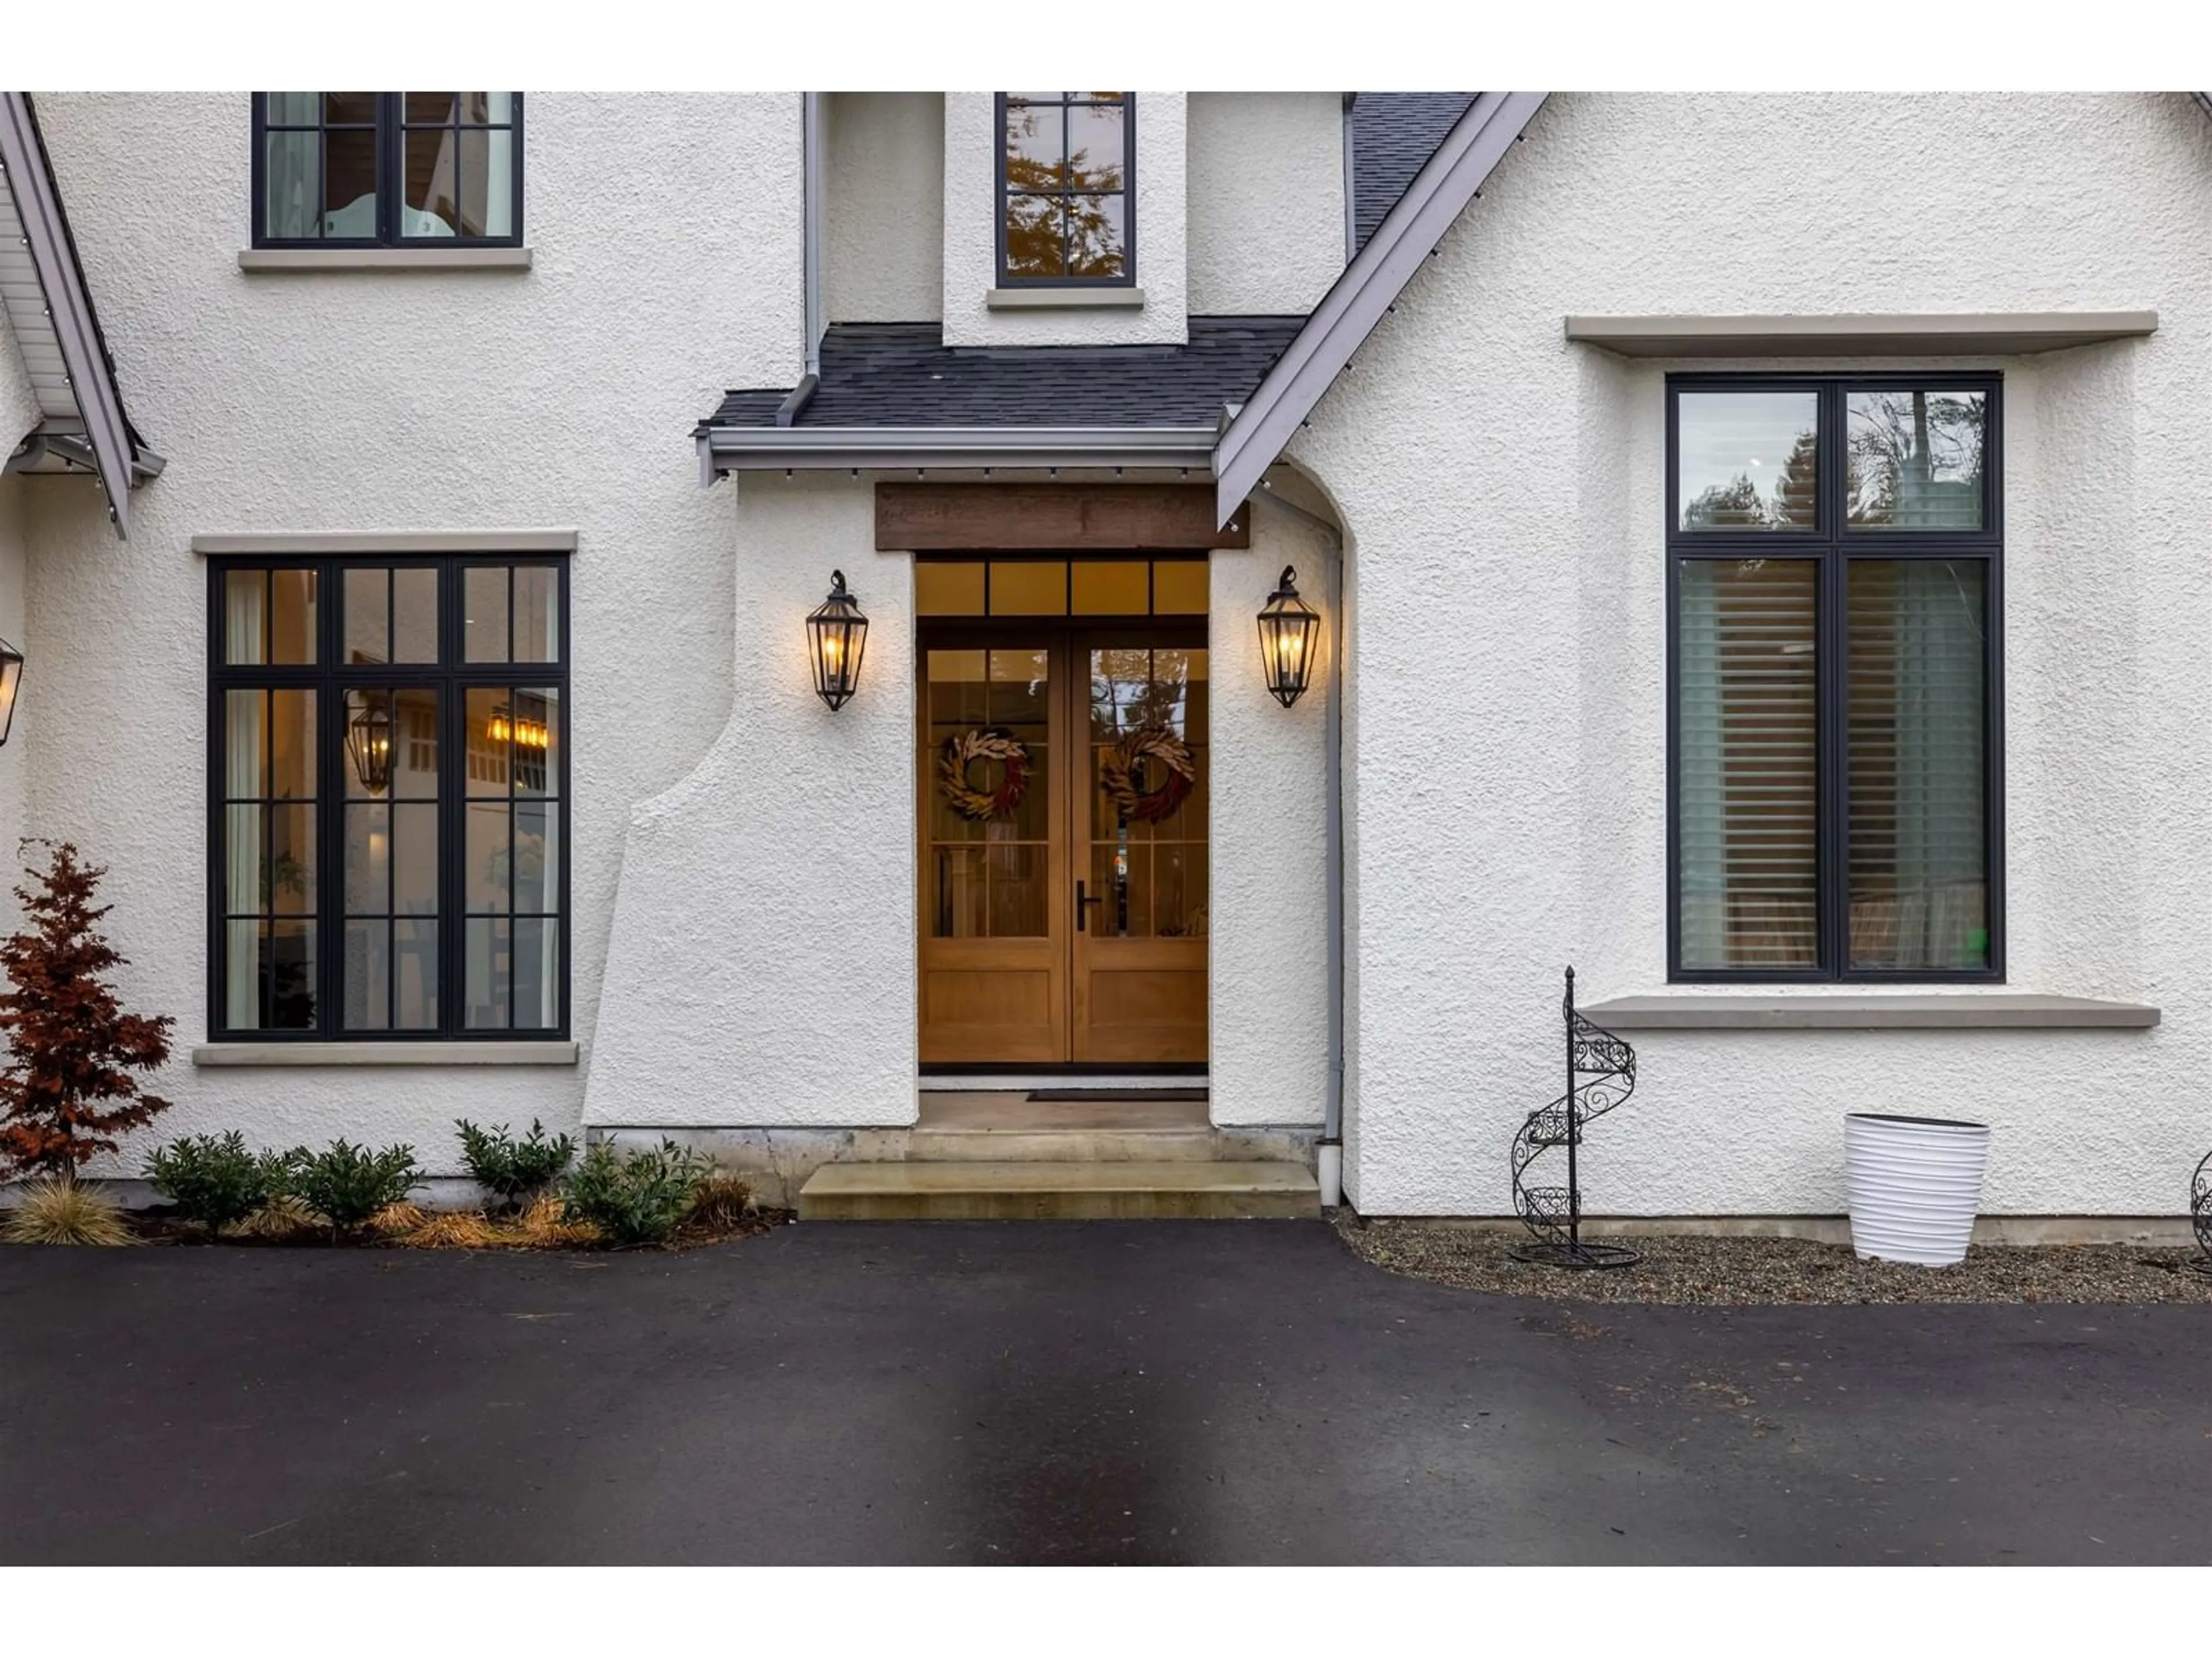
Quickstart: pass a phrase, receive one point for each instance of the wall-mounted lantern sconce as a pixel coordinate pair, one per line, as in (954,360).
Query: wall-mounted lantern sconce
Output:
(368,739)
(836,633)
(1288,629)
(11,675)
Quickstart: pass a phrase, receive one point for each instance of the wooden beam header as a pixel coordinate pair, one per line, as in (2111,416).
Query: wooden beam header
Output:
(1053,518)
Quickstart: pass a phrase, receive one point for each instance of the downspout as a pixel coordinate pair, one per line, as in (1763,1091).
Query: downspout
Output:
(1350,191)
(1329,1154)
(811,209)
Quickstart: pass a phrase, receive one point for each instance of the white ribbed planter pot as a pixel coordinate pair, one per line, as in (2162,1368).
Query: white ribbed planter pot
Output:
(1915,1184)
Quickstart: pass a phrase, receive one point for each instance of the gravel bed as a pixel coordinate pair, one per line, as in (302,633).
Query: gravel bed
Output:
(1752,1272)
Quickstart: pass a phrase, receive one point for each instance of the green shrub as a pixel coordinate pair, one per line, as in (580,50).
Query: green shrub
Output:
(513,1169)
(637,1197)
(214,1180)
(348,1184)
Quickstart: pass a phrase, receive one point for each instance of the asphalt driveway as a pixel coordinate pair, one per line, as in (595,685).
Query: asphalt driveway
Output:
(1099,1392)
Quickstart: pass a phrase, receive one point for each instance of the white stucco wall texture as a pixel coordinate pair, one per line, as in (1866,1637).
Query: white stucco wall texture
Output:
(1503,494)
(558,396)
(883,232)
(1266,200)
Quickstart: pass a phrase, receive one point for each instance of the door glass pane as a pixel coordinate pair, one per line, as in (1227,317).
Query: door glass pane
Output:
(414,858)
(1111,587)
(1914,458)
(1918,734)
(414,975)
(988,814)
(1747,460)
(368,974)
(487,962)
(415,615)
(368,858)
(1179,587)
(1747,763)
(946,589)
(414,773)
(486,885)
(1146,810)
(536,973)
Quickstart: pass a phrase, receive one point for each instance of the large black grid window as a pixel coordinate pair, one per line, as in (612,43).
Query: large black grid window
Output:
(1067,169)
(388,169)
(1833,579)
(389,770)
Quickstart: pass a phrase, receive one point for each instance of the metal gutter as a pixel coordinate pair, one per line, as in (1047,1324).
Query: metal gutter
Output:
(107,440)
(1370,284)
(1330,1159)
(767,448)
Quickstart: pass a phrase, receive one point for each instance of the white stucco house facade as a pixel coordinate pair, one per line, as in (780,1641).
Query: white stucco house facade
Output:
(1750,543)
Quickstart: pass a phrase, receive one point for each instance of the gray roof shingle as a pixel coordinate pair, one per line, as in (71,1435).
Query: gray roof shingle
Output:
(902,374)
(1393,135)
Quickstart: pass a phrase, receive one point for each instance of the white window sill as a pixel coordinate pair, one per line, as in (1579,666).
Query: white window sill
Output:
(1064,299)
(384,258)
(1819,1011)
(385,1053)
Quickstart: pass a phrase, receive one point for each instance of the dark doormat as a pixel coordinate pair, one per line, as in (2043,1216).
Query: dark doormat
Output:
(1117,1094)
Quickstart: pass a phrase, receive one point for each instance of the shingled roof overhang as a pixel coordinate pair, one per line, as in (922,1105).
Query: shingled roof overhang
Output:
(1370,284)
(49,309)
(895,395)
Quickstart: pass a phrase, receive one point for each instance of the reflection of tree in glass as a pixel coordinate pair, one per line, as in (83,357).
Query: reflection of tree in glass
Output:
(1740,504)
(1916,457)
(1127,692)
(1063,209)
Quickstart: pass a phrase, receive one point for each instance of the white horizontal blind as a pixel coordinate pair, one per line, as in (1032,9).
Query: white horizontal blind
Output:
(1749,763)
(1915,708)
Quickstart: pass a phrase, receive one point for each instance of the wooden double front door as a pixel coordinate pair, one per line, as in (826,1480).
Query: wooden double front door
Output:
(1062,784)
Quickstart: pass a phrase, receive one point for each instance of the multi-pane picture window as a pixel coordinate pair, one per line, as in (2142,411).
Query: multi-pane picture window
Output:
(1067,187)
(1835,566)
(369,169)
(390,757)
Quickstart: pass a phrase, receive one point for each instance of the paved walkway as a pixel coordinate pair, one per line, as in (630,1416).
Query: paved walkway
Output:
(1143,1392)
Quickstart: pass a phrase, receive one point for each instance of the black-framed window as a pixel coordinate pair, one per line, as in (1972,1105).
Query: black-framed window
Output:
(1834,718)
(389,796)
(388,169)
(1068,190)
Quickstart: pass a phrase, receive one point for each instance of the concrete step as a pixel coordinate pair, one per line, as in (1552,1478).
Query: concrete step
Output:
(1041,1191)
(926,1145)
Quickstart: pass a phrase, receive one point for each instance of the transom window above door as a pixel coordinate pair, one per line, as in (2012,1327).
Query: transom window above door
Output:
(1835,563)
(1060,587)
(388,169)
(1067,165)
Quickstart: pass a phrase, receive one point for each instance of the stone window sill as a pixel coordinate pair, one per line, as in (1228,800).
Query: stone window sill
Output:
(1921,1010)
(1064,299)
(383,258)
(385,1053)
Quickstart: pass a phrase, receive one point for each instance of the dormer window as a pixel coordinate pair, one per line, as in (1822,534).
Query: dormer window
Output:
(388,169)
(1068,189)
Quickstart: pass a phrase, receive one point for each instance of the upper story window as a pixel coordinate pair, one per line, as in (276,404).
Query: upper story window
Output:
(1834,568)
(388,169)
(390,750)
(1067,169)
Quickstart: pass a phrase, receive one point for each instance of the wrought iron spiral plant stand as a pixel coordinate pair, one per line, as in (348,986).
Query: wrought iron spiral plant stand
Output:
(1601,1074)
(2200,1213)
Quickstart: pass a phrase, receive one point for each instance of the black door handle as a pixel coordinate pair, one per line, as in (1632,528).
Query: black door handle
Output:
(1083,906)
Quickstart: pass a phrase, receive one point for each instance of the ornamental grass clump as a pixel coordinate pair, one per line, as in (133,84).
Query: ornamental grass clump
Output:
(347,1184)
(513,1171)
(56,1211)
(637,1197)
(720,1203)
(214,1180)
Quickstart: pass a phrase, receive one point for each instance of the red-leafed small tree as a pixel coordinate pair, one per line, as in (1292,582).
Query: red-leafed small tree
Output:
(69,1090)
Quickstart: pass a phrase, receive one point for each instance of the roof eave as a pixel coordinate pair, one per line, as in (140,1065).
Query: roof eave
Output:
(116,456)
(1370,284)
(761,449)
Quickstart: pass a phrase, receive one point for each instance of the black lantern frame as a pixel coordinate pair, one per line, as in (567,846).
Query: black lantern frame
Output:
(1289,630)
(368,739)
(11,680)
(836,637)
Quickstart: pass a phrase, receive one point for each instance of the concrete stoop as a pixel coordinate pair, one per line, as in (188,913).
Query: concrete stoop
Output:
(1058,1190)
(998,1155)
